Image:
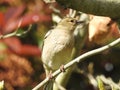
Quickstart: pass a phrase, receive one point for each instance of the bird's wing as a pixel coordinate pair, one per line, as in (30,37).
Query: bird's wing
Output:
(46,35)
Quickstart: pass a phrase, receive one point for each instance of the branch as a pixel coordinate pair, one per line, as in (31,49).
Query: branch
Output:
(15,33)
(79,59)
(109,8)
(2,85)
(109,81)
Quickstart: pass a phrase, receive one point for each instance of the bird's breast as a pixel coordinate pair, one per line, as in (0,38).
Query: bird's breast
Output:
(57,49)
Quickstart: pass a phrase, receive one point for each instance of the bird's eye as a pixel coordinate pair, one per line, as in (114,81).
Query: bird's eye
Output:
(72,20)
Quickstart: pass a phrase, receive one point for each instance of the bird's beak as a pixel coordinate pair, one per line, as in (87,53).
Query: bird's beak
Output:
(79,22)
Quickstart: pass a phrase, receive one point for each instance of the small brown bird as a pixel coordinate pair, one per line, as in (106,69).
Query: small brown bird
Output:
(58,45)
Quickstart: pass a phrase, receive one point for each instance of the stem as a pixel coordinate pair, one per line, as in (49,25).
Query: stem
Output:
(79,59)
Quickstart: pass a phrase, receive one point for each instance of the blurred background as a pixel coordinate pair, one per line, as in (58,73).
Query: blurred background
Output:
(20,57)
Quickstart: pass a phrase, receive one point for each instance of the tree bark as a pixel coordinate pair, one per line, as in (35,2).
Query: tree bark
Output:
(110,8)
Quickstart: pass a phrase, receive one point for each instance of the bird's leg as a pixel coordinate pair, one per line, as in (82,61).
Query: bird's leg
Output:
(49,84)
(48,72)
(50,75)
(62,69)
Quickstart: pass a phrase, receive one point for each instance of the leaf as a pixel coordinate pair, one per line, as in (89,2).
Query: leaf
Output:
(102,30)
(100,84)
(2,20)
(22,49)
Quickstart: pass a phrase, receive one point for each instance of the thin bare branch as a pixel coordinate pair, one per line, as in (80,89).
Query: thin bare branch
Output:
(79,59)
(109,81)
(15,33)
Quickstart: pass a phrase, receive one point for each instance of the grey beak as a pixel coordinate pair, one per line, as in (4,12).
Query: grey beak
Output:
(79,22)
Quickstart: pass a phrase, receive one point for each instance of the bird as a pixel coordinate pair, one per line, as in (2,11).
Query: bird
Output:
(58,45)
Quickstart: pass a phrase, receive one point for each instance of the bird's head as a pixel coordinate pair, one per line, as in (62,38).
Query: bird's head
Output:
(68,23)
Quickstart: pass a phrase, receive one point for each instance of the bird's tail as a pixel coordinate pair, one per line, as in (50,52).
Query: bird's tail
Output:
(49,85)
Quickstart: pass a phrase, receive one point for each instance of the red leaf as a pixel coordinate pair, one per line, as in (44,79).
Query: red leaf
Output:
(14,12)
(26,20)
(33,18)
(30,50)
(2,20)
(15,45)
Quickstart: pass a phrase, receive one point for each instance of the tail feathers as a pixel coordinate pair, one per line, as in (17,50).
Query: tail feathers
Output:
(49,85)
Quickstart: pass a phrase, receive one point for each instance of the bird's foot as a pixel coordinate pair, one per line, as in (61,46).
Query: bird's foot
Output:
(50,75)
(62,69)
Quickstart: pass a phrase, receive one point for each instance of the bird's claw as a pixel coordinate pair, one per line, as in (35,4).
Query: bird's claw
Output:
(50,75)
(62,69)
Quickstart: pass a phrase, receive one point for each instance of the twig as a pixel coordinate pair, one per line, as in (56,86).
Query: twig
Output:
(19,34)
(2,85)
(49,1)
(100,83)
(72,13)
(16,33)
(109,82)
(79,59)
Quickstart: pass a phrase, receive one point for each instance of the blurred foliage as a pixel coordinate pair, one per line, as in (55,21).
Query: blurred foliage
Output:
(20,64)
